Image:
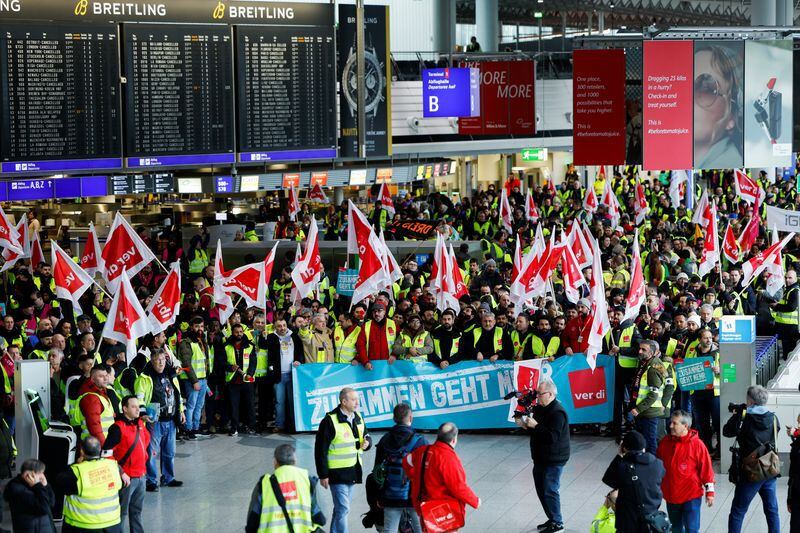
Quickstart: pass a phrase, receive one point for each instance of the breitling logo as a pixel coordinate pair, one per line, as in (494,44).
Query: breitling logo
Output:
(219,10)
(80,7)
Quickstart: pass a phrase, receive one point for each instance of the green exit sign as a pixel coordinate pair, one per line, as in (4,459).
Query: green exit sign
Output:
(537,14)
(534,154)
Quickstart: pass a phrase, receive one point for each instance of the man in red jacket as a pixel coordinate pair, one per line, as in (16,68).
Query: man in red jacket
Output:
(689,472)
(377,338)
(444,474)
(97,411)
(574,339)
(129,440)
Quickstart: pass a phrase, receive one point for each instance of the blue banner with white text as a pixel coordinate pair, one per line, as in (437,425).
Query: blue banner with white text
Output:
(469,393)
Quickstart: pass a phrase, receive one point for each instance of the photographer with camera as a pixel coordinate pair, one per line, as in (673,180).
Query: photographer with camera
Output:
(548,426)
(755,430)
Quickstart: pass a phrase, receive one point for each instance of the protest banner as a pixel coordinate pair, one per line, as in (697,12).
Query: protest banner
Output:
(469,393)
(695,373)
(346,282)
(413,229)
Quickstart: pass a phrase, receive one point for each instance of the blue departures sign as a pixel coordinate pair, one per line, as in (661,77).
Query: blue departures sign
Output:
(451,92)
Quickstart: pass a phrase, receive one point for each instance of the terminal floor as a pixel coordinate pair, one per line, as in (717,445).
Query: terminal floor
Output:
(220,473)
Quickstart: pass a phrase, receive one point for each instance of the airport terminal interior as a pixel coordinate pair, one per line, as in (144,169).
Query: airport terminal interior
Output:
(402,265)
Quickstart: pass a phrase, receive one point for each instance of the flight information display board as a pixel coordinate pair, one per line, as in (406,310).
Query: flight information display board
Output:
(179,95)
(60,107)
(287,93)
(142,184)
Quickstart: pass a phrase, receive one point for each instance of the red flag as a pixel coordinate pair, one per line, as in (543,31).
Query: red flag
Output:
(442,281)
(599,323)
(750,233)
(247,281)
(164,307)
(316,193)
(70,279)
(385,198)
(505,211)
(747,188)
(573,279)
(9,236)
(590,200)
(699,215)
(37,254)
(308,271)
(457,282)
(730,247)
(10,255)
(90,260)
(371,272)
(640,203)
(711,253)
(294,204)
(636,293)
(127,320)
(756,265)
(124,250)
(517,263)
(610,200)
(531,211)
(222,298)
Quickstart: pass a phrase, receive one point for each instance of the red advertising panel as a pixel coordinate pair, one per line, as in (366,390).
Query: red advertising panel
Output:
(668,104)
(598,107)
(507,99)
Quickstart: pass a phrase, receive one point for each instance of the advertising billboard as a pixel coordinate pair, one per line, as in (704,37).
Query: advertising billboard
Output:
(451,92)
(507,99)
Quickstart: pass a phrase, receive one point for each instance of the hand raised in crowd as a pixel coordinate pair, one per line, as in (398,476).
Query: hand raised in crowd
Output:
(295,363)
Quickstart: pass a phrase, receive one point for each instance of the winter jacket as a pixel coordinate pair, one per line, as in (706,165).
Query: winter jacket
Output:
(273,346)
(31,507)
(651,406)
(317,345)
(397,438)
(325,434)
(688,466)
(794,471)
(444,475)
(120,439)
(650,472)
(92,407)
(550,437)
(752,430)
(574,336)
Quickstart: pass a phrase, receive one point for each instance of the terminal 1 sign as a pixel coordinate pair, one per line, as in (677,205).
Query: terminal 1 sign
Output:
(451,92)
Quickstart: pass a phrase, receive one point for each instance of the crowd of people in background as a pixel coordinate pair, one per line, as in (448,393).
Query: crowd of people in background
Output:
(202,377)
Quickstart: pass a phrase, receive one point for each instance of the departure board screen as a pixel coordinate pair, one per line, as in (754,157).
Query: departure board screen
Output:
(59,98)
(287,93)
(142,184)
(179,95)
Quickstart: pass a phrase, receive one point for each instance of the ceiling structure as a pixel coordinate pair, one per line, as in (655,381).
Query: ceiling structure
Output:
(635,14)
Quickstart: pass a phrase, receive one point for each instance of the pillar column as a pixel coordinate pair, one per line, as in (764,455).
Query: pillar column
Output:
(589,24)
(487,22)
(444,26)
(762,12)
(601,21)
(784,13)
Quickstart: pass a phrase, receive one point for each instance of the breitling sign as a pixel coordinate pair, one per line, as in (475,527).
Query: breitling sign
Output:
(193,11)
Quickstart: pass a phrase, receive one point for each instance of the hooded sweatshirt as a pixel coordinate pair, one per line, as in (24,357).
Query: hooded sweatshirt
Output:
(688,464)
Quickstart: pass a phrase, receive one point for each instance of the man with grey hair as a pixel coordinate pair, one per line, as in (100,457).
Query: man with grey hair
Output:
(286,497)
(755,429)
(489,342)
(548,427)
(647,389)
(689,473)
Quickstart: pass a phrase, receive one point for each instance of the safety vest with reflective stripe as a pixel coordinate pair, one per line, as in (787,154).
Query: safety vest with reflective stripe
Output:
(251,236)
(539,348)
(230,357)
(498,339)
(437,347)
(106,417)
(625,340)
(345,450)
(345,345)
(6,381)
(695,353)
(417,342)
(788,317)
(100,316)
(199,263)
(96,506)
(296,489)
(519,343)
(645,391)
(391,333)
(672,345)
(198,362)
(262,364)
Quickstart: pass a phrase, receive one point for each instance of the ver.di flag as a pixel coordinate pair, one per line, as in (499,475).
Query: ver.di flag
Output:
(124,251)
(127,320)
(70,279)
(164,307)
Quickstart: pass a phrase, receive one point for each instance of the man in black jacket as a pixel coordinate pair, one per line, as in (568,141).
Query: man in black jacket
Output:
(753,427)
(549,431)
(636,476)
(31,499)
(284,350)
(341,439)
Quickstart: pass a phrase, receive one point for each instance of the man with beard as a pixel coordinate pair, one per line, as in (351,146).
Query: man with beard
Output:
(193,352)
(520,338)
(240,370)
(445,340)
(489,342)
(622,342)
(544,343)
(376,338)
(574,338)
(705,403)
(414,343)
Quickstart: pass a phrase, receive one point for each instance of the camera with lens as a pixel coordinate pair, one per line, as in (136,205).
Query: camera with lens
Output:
(737,407)
(526,401)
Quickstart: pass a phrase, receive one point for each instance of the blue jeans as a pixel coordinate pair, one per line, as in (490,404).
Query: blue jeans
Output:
(162,444)
(195,400)
(283,397)
(131,504)
(341,494)
(648,427)
(547,480)
(744,494)
(685,517)
(393,515)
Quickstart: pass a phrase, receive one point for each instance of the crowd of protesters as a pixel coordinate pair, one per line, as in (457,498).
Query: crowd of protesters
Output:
(201,377)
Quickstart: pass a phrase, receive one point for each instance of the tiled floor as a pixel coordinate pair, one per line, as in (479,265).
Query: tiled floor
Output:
(220,474)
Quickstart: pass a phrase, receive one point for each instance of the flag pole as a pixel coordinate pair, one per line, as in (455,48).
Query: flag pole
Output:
(101,287)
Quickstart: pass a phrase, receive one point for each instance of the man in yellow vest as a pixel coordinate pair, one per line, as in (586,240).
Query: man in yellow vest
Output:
(647,390)
(341,439)
(622,342)
(487,343)
(91,486)
(95,412)
(194,354)
(414,343)
(705,403)
(785,314)
(264,393)
(286,496)
(345,336)
(240,370)
(376,340)
(446,340)
(316,339)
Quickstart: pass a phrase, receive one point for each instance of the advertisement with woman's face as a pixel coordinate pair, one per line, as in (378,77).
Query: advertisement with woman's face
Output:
(718,90)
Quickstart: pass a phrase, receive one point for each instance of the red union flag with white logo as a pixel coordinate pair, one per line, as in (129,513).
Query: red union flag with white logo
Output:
(747,188)
(308,271)
(37,255)
(11,257)
(90,258)
(526,379)
(127,320)
(70,279)
(164,307)
(246,282)
(730,246)
(361,240)
(9,236)
(124,251)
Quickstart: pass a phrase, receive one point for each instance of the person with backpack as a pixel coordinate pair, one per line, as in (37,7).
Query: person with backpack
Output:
(400,441)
